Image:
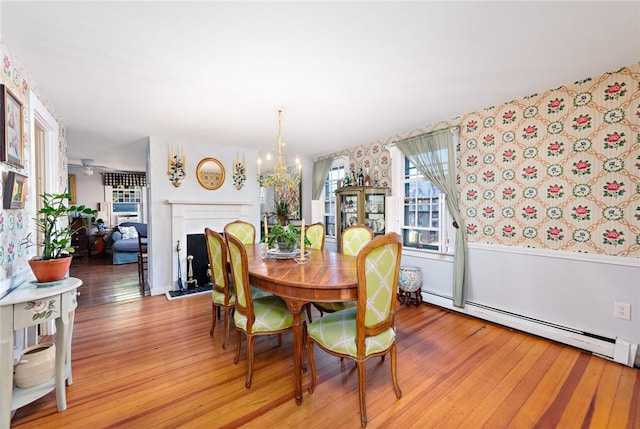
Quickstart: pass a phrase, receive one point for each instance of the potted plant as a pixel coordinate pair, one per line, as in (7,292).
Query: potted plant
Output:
(283,238)
(281,210)
(54,262)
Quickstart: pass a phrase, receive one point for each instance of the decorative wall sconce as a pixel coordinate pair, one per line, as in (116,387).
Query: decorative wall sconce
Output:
(177,164)
(239,172)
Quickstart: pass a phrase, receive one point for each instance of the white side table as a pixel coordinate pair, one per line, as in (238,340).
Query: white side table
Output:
(28,305)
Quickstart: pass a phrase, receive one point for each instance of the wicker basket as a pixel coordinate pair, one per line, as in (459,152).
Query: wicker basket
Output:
(36,366)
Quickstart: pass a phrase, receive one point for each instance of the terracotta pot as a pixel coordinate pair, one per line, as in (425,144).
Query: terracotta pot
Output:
(283,220)
(50,270)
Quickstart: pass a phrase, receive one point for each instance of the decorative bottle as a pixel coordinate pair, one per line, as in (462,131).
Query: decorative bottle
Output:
(360,178)
(367,179)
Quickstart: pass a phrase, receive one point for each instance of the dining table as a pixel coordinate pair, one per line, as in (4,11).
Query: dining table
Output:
(323,276)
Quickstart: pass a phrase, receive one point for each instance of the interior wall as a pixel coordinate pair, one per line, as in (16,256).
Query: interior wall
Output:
(89,189)
(16,224)
(162,254)
(549,193)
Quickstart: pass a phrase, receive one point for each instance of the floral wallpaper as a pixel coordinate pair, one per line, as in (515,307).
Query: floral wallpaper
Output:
(374,159)
(557,170)
(14,223)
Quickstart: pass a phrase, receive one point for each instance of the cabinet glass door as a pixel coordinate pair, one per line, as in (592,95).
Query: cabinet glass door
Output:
(374,213)
(348,210)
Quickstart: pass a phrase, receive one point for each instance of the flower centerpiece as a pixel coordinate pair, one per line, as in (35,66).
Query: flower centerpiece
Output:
(283,238)
(54,224)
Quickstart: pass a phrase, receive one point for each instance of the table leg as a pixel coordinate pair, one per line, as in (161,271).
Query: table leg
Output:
(6,364)
(296,308)
(62,333)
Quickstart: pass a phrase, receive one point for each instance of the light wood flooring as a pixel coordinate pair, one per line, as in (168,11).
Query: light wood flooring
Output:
(150,363)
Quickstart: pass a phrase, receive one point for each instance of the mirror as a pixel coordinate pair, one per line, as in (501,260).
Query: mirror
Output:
(210,173)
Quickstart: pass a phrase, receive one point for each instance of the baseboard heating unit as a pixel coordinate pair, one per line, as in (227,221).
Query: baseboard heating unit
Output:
(616,349)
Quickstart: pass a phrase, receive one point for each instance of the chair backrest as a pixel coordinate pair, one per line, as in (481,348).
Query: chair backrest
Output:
(315,234)
(242,230)
(378,268)
(354,238)
(217,251)
(142,243)
(240,277)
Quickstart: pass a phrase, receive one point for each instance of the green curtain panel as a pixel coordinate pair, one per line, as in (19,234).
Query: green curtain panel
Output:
(433,156)
(319,175)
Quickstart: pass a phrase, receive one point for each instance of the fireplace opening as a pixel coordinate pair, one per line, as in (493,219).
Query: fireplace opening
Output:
(197,262)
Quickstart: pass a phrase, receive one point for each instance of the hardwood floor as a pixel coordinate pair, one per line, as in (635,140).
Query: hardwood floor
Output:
(150,363)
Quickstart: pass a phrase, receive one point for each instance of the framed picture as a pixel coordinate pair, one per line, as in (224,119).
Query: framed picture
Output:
(295,211)
(71,189)
(15,191)
(12,119)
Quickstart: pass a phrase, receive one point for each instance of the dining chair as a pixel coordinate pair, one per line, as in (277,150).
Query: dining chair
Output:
(244,231)
(367,330)
(353,239)
(254,316)
(315,234)
(222,295)
(143,259)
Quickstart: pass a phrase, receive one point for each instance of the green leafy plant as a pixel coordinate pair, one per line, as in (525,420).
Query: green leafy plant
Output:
(281,208)
(289,235)
(56,237)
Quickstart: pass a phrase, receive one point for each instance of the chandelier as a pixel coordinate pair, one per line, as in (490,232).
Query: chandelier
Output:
(278,174)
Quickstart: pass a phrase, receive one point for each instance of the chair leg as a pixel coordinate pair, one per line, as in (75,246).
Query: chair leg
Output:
(312,365)
(394,375)
(307,307)
(227,316)
(238,341)
(213,322)
(247,383)
(362,366)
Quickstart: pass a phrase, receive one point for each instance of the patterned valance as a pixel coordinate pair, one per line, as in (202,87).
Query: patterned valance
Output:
(124,179)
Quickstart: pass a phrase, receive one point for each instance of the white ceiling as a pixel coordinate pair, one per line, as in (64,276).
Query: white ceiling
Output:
(347,73)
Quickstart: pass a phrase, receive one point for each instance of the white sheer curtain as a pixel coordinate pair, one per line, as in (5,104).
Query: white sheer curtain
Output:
(427,153)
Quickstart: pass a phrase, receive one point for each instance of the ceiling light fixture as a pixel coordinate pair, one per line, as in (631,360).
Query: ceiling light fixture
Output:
(87,165)
(278,174)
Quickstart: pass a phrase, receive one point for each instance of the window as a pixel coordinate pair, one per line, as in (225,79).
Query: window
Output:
(126,198)
(425,216)
(335,175)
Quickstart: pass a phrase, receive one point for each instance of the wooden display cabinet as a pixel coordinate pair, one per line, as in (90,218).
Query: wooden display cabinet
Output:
(360,205)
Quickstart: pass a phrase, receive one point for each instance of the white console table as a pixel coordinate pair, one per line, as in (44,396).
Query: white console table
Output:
(28,305)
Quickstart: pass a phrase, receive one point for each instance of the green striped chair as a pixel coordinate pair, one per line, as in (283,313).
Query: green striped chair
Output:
(367,330)
(353,239)
(243,231)
(254,316)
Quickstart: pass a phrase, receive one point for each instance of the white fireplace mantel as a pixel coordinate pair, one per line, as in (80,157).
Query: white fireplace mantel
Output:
(192,217)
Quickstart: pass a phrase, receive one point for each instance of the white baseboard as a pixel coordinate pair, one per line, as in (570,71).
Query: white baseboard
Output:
(616,349)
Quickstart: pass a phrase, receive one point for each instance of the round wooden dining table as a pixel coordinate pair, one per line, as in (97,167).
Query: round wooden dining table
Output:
(324,277)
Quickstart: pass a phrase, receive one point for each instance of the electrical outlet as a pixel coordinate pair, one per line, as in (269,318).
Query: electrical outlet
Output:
(622,310)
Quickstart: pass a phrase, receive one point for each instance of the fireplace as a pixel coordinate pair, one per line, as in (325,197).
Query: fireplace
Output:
(188,221)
